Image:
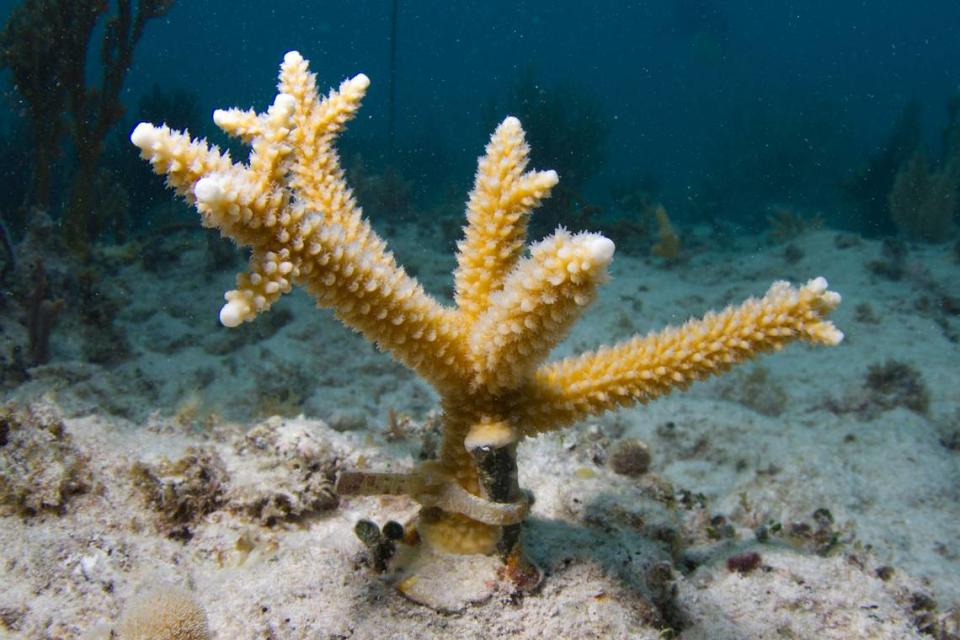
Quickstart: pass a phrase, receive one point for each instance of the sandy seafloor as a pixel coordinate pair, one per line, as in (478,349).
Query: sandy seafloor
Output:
(772,442)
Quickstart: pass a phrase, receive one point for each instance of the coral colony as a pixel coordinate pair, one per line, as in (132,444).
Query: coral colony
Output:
(291,205)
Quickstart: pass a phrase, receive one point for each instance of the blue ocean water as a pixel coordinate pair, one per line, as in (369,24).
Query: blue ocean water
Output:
(785,98)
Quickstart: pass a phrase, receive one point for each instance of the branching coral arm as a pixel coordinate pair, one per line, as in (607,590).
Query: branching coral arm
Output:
(315,172)
(541,299)
(235,198)
(503,196)
(644,368)
(292,206)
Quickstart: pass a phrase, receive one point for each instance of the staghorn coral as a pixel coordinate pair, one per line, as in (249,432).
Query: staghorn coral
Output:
(291,205)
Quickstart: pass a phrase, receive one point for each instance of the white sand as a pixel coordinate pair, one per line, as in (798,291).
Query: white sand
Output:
(774,450)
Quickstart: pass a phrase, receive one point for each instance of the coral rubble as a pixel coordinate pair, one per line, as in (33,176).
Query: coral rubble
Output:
(295,470)
(182,491)
(40,469)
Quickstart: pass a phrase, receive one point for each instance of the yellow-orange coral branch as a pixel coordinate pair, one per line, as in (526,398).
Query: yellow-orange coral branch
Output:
(497,214)
(644,368)
(541,299)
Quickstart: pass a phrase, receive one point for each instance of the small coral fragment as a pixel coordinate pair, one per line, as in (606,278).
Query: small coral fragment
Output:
(164,613)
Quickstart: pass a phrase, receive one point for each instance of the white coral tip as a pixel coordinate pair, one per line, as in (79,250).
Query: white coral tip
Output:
(510,122)
(818,285)
(361,81)
(285,102)
(208,190)
(292,57)
(221,118)
(233,313)
(600,249)
(144,135)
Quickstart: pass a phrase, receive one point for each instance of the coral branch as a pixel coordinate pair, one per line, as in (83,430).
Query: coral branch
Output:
(645,368)
(499,208)
(539,302)
(319,239)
